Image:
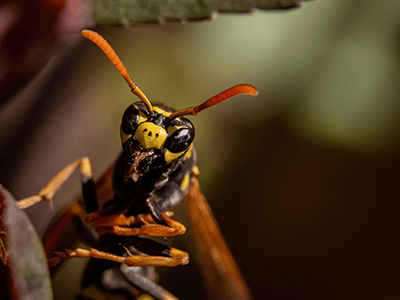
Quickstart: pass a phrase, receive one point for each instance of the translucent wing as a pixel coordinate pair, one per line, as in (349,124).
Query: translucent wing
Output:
(221,273)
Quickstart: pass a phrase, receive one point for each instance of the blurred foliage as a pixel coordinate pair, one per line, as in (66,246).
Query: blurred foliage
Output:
(303,179)
(23,271)
(29,30)
(122,12)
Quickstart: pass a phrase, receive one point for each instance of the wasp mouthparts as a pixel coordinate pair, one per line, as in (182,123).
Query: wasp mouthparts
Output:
(136,169)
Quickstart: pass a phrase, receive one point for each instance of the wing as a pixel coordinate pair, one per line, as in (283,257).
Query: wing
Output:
(221,273)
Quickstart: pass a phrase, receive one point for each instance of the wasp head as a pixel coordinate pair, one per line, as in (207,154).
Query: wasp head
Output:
(153,137)
(151,140)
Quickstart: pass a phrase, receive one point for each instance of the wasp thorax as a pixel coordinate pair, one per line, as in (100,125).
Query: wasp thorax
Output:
(150,135)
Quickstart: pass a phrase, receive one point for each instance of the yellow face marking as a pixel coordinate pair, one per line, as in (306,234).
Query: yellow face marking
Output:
(161,111)
(172,129)
(188,154)
(142,117)
(150,135)
(185,182)
(124,137)
(164,112)
(169,156)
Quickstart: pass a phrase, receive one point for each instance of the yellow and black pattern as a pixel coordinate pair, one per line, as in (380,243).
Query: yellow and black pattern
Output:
(153,130)
(158,156)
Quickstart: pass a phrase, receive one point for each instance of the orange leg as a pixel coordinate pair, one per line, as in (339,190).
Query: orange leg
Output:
(97,219)
(114,224)
(173,227)
(55,183)
(117,224)
(176,258)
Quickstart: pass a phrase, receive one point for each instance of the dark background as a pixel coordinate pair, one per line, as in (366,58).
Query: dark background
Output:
(303,179)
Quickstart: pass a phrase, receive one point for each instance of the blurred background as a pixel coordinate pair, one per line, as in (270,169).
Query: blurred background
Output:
(303,179)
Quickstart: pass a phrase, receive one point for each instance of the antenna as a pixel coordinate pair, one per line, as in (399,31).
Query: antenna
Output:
(113,57)
(229,93)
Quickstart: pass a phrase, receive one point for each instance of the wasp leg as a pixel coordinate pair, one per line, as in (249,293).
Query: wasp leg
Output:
(118,281)
(172,228)
(145,285)
(118,223)
(55,183)
(97,219)
(175,257)
(115,279)
(57,229)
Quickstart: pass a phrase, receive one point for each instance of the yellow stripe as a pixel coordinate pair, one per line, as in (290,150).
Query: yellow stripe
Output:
(169,156)
(142,117)
(161,111)
(188,154)
(195,171)
(185,182)
(172,129)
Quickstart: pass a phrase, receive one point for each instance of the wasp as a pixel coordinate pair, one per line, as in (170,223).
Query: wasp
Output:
(155,171)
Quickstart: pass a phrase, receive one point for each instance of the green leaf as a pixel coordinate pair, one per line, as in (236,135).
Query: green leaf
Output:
(130,12)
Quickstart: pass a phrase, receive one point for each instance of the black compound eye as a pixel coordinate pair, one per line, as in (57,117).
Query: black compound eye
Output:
(130,120)
(180,140)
